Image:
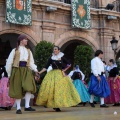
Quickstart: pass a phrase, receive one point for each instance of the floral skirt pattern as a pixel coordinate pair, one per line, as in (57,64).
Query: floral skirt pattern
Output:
(115,91)
(82,90)
(57,90)
(5,100)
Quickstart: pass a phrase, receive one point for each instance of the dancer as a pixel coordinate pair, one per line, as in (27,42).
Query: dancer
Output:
(98,83)
(82,75)
(57,90)
(79,85)
(114,83)
(19,67)
(106,71)
(6,102)
(74,69)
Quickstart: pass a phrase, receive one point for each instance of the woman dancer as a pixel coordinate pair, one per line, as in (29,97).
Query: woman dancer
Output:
(79,85)
(82,75)
(57,90)
(5,101)
(19,67)
(114,83)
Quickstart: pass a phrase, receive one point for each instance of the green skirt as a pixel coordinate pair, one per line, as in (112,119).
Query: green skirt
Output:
(21,81)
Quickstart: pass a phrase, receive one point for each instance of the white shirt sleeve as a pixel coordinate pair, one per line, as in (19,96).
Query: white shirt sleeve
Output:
(83,76)
(32,65)
(10,62)
(94,67)
(70,74)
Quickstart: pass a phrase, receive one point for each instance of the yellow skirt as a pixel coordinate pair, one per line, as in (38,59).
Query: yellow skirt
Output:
(57,90)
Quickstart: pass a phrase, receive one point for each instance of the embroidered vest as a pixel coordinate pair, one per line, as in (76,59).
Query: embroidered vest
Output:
(17,58)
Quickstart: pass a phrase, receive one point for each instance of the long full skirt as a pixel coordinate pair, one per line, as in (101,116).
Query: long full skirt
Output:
(21,81)
(5,100)
(82,90)
(57,90)
(99,88)
(115,91)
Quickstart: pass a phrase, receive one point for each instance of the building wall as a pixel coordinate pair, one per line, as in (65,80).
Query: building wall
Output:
(56,26)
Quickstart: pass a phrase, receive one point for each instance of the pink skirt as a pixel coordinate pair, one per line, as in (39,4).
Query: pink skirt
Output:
(115,91)
(5,100)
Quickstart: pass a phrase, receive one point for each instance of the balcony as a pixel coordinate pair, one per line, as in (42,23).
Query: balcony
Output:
(94,3)
(64,1)
(116,5)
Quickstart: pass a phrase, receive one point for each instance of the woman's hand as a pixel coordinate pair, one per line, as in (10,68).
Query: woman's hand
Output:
(115,78)
(37,76)
(43,70)
(63,73)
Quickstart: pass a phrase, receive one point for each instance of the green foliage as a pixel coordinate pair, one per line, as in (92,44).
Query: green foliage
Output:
(43,51)
(82,57)
(118,65)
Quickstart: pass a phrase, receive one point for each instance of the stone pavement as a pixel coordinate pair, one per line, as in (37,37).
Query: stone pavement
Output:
(72,113)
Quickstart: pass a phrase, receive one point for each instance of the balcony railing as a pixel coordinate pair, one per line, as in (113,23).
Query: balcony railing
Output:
(117,5)
(94,3)
(64,1)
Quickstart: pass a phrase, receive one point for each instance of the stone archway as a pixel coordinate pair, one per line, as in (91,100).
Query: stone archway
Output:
(77,35)
(7,43)
(16,31)
(69,41)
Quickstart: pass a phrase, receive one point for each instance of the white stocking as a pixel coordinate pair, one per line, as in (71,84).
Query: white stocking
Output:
(27,99)
(91,98)
(18,102)
(102,101)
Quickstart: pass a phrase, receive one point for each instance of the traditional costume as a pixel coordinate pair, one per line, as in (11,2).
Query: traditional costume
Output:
(57,90)
(19,67)
(98,88)
(114,84)
(5,101)
(81,88)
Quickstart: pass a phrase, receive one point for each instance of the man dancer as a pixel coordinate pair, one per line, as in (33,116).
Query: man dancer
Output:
(19,67)
(98,83)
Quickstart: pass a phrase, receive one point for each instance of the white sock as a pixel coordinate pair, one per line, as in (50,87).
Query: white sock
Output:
(18,101)
(91,98)
(102,101)
(27,99)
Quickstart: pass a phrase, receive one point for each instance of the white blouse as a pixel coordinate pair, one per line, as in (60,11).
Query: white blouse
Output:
(97,66)
(23,57)
(71,73)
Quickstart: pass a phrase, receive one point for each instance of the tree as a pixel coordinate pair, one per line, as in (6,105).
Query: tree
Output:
(82,57)
(118,65)
(43,51)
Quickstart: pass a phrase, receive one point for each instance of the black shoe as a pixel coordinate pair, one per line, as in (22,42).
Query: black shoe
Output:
(84,103)
(104,106)
(57,109)
(45,106)
(116,104)
(19,112)
(8,108)
(92,104)
(29,109)
(95,102)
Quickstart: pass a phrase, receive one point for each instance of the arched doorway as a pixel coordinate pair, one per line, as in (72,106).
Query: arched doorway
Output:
(7,43)
(69,47)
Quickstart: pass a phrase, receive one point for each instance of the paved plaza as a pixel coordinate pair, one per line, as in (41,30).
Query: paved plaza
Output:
(73,113)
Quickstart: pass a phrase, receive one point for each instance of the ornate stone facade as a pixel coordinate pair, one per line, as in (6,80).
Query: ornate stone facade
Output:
(56,27)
